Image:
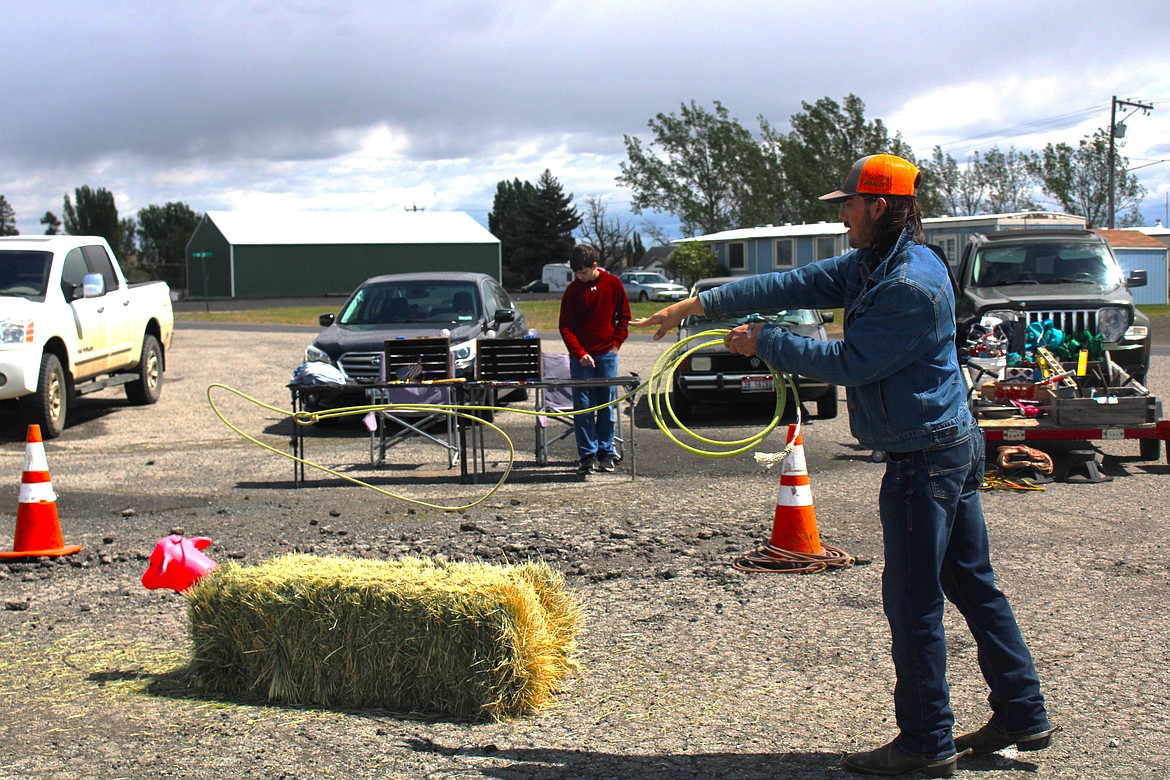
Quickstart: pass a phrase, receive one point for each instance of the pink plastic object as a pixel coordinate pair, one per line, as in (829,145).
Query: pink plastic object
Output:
(176,563)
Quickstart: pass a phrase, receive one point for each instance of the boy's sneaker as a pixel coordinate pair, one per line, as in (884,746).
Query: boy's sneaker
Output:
(587,466)
(605,463)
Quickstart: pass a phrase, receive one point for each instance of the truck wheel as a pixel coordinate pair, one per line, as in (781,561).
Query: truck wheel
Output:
(682,407)
(827,405)
(148,387)
(48,405)
(1151,448)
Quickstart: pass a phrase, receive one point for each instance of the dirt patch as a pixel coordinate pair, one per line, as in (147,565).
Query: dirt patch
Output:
(690,668)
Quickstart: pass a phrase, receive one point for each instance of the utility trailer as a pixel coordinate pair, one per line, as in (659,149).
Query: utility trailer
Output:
(1065,401)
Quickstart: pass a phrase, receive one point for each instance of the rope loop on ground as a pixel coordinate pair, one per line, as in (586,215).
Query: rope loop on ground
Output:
(769,559)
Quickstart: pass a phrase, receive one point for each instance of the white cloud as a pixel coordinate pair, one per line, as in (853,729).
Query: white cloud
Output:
(325,104)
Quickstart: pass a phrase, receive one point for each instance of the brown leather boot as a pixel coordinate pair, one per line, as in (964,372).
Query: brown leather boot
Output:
(889,760)
(991,738)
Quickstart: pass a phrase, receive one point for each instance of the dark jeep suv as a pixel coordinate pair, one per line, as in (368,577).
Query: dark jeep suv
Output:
(1067,276)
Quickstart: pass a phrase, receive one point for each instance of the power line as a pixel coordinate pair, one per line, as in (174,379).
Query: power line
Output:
(1027,128)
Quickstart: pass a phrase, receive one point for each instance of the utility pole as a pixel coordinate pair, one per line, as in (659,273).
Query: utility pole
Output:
(1117,130)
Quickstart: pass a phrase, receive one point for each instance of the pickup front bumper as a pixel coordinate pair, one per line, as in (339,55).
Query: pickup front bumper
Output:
(20,371)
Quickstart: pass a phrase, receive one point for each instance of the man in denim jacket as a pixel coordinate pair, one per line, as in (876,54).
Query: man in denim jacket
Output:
(906,397)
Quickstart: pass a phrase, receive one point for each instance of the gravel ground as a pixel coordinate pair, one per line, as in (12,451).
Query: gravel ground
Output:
(690,668)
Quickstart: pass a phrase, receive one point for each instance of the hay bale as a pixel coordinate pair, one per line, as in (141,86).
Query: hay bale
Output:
(467,640)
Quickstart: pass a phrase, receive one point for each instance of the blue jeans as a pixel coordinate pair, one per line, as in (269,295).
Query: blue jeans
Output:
(935,546)
(594,430)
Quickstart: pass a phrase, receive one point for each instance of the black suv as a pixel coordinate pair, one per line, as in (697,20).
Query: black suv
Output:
(465,307)
(1067,276)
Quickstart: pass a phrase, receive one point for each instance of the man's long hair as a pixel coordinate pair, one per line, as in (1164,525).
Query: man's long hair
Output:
(901,210)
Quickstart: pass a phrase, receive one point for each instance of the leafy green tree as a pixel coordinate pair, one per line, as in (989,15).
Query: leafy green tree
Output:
(554,218)
(534,224)
(95,214)
(959,191)
(7,218)
(1078,180)
(51,223)
(635,249)
(825,140)
(128,236)
(163,233)
(692,261)
(1009,180)
(508,221)
(699,167)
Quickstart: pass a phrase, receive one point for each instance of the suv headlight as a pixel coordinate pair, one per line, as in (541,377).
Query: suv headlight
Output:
(1111,323)
(314,354)
(16,331)
(1005,315)
(464,353)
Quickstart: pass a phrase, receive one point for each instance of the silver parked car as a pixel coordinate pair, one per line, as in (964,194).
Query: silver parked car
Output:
(650,286)
(716,376)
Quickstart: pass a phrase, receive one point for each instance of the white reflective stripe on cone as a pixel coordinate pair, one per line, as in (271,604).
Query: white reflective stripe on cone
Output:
(794,495)
(34,457)
(37,493)
(794,463)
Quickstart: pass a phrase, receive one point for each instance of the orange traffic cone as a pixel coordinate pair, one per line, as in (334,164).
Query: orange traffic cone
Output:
(794,526)
(795,544)
(38,531)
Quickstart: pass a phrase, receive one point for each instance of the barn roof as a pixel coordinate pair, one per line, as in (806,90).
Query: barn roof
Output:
(258,228)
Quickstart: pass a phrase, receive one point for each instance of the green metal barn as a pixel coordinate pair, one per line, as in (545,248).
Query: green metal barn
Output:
(245,254)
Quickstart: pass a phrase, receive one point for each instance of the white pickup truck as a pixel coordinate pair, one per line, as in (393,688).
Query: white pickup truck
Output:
(70,324)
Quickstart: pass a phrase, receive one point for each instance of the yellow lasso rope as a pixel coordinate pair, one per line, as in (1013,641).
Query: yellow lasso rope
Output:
(995,480)
(660,378)
(309,418)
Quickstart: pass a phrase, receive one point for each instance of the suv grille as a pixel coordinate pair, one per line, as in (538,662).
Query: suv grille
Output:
(362,367)
(1070,321)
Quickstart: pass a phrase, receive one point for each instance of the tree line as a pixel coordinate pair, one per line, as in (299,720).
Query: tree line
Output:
(150,245)
(711,173)
(538,224)
(714,174)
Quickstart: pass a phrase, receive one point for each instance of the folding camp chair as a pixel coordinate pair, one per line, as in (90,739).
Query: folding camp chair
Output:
(552,397)
(391,427)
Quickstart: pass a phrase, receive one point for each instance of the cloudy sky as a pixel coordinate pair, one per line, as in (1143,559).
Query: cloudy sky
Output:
(366,106)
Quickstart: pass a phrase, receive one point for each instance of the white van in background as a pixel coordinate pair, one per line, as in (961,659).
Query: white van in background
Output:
(557,276)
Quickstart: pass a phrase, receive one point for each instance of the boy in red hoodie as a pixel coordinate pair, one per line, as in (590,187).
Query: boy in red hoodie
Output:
(594,317)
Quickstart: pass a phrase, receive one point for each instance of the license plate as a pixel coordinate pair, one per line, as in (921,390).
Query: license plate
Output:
(758,384)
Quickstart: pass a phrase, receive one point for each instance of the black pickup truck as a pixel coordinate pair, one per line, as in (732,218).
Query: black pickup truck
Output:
(1067,276)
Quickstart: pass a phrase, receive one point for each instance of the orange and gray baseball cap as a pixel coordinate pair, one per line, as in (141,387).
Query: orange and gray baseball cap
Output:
(878,174)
